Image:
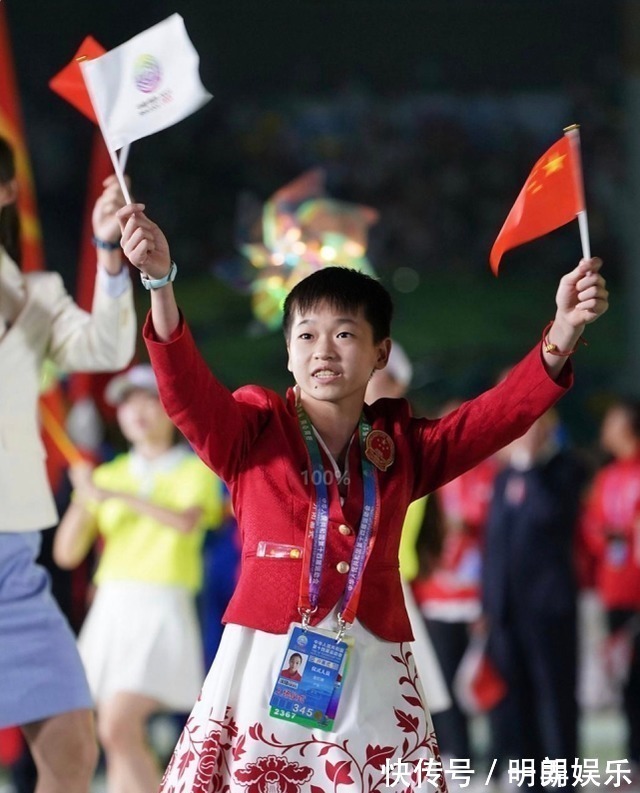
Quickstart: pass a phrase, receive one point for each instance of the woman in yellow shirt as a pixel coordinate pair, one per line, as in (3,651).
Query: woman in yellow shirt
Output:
(140,642)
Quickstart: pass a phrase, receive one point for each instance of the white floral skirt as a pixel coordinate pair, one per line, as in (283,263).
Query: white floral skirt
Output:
(426,660)
(231,743)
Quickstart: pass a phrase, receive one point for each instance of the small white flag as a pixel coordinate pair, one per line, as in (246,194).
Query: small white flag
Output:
(146,84)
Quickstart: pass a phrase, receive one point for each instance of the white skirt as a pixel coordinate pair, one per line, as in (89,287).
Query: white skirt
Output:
(383,735)
(427,663)
(143,638)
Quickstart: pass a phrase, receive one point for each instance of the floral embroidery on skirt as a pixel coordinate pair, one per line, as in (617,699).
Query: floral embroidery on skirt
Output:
(217,755)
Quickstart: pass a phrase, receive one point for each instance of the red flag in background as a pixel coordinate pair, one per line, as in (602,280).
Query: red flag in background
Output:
(11,128)
(69,82)
(70,85)
(551,197)
(477,684)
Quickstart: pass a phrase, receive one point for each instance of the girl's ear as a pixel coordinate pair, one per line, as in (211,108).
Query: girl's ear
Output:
(8,192)
(384,350)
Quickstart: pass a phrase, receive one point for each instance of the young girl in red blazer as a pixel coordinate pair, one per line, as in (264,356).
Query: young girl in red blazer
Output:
(320,484)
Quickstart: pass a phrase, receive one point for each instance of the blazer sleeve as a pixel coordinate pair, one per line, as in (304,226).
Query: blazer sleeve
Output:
(220,426)
(103,340)
(447,447)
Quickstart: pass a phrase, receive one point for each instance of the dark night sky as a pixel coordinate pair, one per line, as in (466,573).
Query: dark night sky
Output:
(250,45)
(303,47)
(279,50)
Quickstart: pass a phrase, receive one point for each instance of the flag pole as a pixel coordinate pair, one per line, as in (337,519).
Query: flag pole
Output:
(573,133)
(59,436)
(123,155)
(118,170)
(116,163)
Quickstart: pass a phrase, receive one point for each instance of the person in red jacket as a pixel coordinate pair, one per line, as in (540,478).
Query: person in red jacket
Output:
(611,528)
(320,484)
(449,593)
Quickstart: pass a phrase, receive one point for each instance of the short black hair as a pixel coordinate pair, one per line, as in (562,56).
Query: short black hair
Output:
(294,655)
(344,289)
(9,219)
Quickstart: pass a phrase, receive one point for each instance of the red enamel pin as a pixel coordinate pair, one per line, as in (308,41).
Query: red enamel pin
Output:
(379,448)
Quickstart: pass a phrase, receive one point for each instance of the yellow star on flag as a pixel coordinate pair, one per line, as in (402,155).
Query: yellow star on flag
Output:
(554,163)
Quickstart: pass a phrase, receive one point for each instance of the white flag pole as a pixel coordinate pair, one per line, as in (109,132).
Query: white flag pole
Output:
(114,160)
(119,173)
(122,157)
(573,133)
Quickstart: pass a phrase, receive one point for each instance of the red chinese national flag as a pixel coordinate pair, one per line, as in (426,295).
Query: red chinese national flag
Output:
(551,197)
(12,130)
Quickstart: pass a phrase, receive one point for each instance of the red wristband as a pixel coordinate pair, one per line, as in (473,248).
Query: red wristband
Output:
(552,348)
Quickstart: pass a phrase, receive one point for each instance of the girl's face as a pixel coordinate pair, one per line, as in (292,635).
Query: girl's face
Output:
(616,433)
(8,193)
(143,420)
(294,663)
(332,354)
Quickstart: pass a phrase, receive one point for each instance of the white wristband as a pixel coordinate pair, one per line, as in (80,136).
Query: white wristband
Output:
(157,283)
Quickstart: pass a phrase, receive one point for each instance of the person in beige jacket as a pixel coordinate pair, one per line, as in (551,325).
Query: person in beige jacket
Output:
(43,687)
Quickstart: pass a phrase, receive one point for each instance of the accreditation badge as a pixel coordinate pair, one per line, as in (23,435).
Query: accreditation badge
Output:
(311,677)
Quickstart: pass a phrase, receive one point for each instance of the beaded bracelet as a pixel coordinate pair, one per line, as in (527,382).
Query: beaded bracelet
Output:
(105,245)
(552,348)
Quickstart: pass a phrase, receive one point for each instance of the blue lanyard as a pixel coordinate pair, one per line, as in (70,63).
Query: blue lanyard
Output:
(318,526)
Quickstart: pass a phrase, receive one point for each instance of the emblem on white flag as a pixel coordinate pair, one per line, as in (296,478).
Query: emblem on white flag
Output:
(146,84)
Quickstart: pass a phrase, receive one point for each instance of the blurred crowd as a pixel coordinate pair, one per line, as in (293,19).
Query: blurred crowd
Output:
(442,170)
(526,570)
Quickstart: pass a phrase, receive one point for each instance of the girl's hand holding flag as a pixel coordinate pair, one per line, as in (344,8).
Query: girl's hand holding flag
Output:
(581,298)
(105,226)
(143,243)
(103,217)
(147,248)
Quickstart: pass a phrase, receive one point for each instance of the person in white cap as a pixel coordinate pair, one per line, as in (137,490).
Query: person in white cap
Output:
(140,642)
(394,380)
(43,687)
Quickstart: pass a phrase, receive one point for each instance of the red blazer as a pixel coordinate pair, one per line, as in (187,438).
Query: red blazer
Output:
(251,439)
